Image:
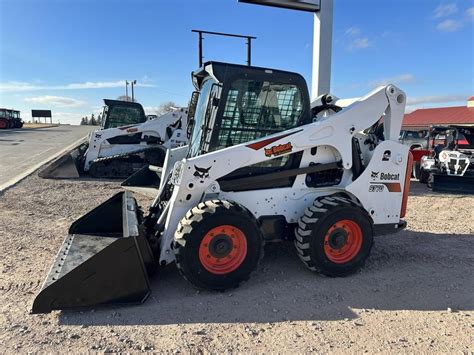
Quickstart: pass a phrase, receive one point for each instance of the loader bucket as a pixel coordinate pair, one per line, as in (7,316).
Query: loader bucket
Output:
(453,184)
(148,176)
(66,166)
(103,260)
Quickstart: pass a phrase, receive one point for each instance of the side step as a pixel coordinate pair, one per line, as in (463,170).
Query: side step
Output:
(453,184)
(103,260)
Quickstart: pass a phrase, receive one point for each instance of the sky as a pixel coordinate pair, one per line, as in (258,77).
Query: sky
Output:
(67,55)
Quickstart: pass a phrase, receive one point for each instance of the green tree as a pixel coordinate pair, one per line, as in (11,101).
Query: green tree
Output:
(92,121)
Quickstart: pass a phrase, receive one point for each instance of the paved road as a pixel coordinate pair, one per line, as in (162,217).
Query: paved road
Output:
(22,149)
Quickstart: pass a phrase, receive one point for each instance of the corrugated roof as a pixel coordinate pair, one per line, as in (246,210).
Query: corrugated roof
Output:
(440,116)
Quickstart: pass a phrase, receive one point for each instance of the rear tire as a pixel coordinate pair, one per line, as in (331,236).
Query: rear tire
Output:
(417,170)
(217,245)
(334,237)
(3,123)
(424,176)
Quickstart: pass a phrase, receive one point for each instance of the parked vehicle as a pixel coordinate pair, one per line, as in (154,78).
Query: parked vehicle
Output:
(450,165)
(10,119)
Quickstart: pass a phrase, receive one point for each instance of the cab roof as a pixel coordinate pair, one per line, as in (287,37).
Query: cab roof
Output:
(224,71)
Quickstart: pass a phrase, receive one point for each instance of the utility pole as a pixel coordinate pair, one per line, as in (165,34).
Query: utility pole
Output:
(134,82)
(126,89)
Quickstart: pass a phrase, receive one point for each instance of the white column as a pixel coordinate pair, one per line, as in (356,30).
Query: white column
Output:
(322,50)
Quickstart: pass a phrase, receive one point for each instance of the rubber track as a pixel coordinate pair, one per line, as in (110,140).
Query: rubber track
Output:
(119,157)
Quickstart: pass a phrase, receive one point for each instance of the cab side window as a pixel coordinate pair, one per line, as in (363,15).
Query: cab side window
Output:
(255,109)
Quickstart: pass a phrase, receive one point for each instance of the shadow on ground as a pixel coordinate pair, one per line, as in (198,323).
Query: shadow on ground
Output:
(406,271)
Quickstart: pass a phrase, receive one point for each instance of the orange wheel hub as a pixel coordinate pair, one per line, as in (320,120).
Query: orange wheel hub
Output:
(223,249)
(343,241)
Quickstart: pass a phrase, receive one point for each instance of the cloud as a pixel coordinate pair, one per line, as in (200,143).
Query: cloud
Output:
(399,79)
(12,86)
(452,24)
(449,25)
(353,31)
(445,10)
(436,99)
(414,103)
(58,101)
(470,12)
(360,43)
(354,39)
(18,86)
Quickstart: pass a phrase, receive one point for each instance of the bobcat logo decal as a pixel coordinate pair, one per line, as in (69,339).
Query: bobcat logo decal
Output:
(278,150)
(201,173)
(374,175)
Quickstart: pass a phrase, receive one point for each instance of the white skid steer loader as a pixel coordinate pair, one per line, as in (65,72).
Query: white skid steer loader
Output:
(127,142)
(258,168)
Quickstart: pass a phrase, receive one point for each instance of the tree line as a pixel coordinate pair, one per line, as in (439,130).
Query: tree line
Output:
(92,120)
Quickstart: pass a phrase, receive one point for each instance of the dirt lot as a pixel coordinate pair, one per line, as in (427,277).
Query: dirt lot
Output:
(415,293)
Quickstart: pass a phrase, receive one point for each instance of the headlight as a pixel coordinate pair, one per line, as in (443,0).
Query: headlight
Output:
(177,173)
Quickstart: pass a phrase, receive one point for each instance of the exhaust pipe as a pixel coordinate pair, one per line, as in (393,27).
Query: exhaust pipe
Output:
(104,260)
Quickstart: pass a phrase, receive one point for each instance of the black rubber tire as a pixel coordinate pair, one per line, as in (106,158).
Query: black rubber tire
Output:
(313,226)
(155,157)
(429,181)
(98,170)
(416,170)
(192,229)
(424,176)
(3,123)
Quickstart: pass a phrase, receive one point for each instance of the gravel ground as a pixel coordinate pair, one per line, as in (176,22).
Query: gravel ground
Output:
(415,293)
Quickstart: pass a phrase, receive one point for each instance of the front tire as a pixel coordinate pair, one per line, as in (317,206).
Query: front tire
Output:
(217,245)
(334,237)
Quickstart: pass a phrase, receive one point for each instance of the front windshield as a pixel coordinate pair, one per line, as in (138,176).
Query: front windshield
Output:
(199,117)
(104,115)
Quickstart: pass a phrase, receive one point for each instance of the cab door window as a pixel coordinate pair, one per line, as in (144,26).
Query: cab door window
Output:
(255,109)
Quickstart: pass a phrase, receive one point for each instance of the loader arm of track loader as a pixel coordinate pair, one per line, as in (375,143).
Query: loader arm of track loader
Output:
(195,179)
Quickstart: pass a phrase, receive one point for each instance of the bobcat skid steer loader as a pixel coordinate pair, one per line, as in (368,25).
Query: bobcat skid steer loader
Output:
(258,168)
(127,142)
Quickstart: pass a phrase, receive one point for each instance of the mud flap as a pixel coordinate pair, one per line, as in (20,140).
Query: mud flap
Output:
(453,184)
(103,260)
(65,166)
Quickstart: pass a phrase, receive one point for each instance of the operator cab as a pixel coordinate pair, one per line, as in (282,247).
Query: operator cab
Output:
(119,113)
(235,104)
